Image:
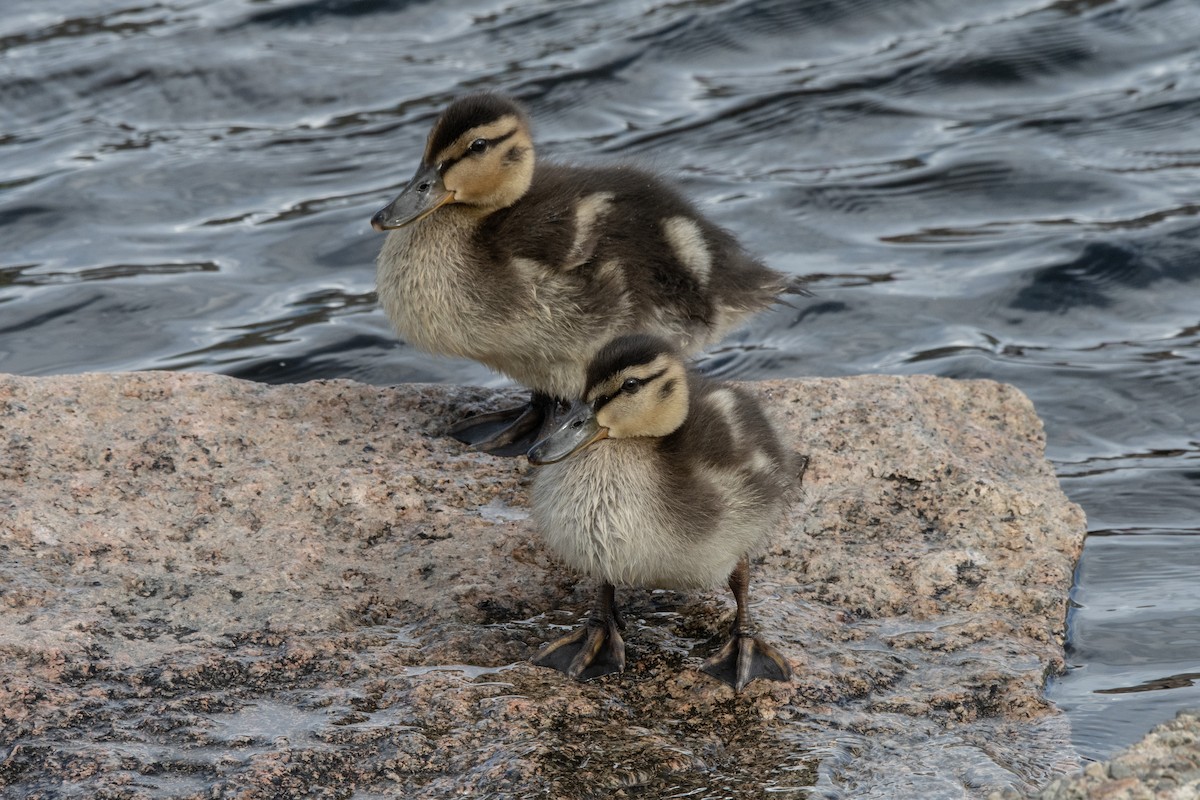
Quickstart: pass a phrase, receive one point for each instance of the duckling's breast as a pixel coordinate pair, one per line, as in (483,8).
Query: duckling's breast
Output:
(423,281)
(446,293)
(615,512)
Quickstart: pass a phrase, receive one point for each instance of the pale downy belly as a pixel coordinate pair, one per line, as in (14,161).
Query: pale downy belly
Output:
(437,301)
(602,513)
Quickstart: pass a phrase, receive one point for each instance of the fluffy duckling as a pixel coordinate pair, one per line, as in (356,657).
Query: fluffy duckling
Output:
(529,268)
(658,477)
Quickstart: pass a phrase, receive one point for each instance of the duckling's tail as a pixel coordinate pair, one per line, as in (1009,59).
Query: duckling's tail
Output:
(791,285)
(794,284)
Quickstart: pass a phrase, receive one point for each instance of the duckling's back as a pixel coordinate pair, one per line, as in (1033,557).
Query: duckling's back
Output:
(728,439)
(631,241)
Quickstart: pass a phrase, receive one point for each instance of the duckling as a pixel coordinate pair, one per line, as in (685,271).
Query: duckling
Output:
(660,478)
(529,267)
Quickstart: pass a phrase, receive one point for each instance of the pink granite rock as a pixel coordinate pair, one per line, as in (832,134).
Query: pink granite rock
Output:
(214,588)
(1164,765)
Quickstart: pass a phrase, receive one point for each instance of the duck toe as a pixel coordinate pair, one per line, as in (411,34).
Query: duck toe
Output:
(744,659)
(592,650)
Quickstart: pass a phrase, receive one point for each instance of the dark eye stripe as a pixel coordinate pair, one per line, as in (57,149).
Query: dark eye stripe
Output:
(502,137)
(450,162)
(653,377)
(604,400)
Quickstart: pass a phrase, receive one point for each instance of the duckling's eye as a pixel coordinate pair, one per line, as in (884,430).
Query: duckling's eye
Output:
(631,385)
(479,145)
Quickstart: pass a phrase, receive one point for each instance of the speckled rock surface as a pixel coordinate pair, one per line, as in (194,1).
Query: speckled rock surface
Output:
(1165,765)
(214,588)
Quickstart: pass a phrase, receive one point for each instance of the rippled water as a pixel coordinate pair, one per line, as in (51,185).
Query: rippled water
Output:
(996,189)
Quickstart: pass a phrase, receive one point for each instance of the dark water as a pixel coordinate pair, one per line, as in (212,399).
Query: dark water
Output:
(988,189)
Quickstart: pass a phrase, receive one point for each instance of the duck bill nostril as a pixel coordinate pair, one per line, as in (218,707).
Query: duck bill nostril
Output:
(423,195)
(579,430)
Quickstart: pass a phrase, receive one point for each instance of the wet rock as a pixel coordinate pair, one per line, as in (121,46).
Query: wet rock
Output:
(1165,765)
(214,588)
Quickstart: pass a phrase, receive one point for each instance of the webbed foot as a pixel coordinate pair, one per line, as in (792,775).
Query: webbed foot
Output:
(594,648)
(510,432)
(745,658)
(591,650)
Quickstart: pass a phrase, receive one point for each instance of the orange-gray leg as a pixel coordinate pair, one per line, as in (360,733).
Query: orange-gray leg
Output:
(594,648)
(745,657)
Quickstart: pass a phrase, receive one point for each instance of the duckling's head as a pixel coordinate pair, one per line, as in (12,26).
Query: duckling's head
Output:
(636,387)
(479,154)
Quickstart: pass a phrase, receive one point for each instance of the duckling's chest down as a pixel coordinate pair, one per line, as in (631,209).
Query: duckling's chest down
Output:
(446,294)
(612,512)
